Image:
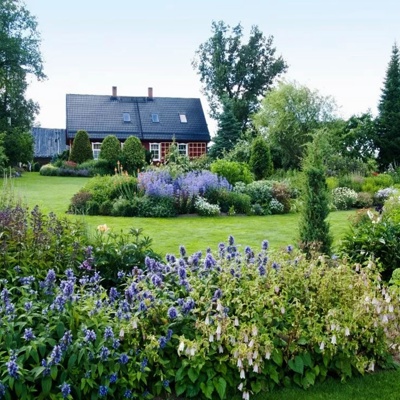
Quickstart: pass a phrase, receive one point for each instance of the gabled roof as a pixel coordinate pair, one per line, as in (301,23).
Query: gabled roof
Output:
(48,142)
(102,115)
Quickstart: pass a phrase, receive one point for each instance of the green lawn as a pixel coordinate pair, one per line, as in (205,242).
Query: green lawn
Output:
(196,233)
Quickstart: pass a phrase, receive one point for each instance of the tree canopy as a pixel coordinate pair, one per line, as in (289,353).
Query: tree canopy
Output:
(388,127)
(243,72)
(288,116)
(20,58)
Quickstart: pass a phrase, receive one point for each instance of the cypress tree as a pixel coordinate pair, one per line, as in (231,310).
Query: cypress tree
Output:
(388,140)
(260,159)
(313,227)
(81,150)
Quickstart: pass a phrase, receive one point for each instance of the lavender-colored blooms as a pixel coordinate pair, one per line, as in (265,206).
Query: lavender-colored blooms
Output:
(265,245)
(261,269)
(113,295)
(67,288)
(123,359)
(108,333)
(217,294)
(169,334)
(113,378)
(90,335)
(156,280)
(103,390)
(182,250)
(12,366)
(28,305)
(104,353)
(55,355)
(28,334)
(172,313)
(27,280)
(65,390)
(182,272)
(66,340)
(162,341)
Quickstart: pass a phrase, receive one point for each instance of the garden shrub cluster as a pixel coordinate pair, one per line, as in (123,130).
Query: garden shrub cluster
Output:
(376,235)
(223,324)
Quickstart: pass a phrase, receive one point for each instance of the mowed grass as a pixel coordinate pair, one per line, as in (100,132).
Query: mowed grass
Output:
(197,233)
(53,193)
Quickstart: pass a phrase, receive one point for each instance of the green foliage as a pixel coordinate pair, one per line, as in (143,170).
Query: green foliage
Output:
(242,72)
(260,159)
(288,117)
(232,171)
(48,170)
(98,167)
(282,193)
(20,61)
(313,227)
(374,237)
(228,133)
(373,183)
(240,202)
(364,200)
(205,209)
(133,155)
(79,202)
(155,206)
(388,120)
(110,149)
(81,150)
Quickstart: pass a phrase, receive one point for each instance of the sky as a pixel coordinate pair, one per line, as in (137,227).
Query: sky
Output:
(340,48)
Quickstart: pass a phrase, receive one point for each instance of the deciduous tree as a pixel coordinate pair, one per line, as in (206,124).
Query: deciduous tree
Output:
(20,59)
(241,71)
(288,116)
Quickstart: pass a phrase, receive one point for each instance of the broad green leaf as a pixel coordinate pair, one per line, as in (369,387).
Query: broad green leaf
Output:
(256,386)
(297,365)
(207,389)
(46,385)
(71,361)
(277,357)
(53,372)
(193,374)
(220,386)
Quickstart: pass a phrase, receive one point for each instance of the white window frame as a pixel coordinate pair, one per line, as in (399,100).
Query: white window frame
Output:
(183,118)
(96,150)
(155,151)
(183,149)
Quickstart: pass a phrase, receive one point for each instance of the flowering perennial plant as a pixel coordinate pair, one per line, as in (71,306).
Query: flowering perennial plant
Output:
(206,327)
(344,198)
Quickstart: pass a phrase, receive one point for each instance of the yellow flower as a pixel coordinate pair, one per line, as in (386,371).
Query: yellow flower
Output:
(103,228)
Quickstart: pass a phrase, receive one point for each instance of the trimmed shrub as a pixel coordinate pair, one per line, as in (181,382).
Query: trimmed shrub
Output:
(225,200)
(48,170)
(81,150)
(373,183)
(110,150)
(79,202)
(205,209)
(133,155)
(233,171)
(259,191)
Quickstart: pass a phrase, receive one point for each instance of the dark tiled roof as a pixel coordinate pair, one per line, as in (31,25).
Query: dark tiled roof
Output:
(103,115)
(48,142)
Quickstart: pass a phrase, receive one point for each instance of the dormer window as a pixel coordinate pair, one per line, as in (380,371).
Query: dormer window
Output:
(155,118)
(126,117)
(183,118)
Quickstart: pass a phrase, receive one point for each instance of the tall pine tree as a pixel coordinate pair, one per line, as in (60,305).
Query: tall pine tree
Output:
(388,140)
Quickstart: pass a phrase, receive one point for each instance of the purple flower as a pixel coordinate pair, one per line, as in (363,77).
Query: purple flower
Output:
(169,334)
(103,390)
(55,356)
(26,280)
(90,335)
(113,378)
(113,295)
(188,306)
(28,305)
(172,313)
(12,367)
(182,273)
(66,340)
(276,266)
(123,359)
(67,287)
(115,344)
(2,391)
(120,275)
(182,250)
(156,280)
(289,248)
(162,342)
(142,306)
(217,294)
(28,334)
(231,240)
(65,389)
(261,269)
(128,394)
(108,333)
(104,353)
(265,244)
(166,383)
(46,371)
(143,364)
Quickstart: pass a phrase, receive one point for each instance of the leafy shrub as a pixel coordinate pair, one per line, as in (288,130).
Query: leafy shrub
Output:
(225,200)
(123,208)
(364,200)
(332,182)
(259,191)
(257,209)
(276,207)
(383,194)
(81,150)
(79,202)
(376,237)
(106,207)
(344,198)
(206,209)
(233,171)
(373,183)
(100,187)
(48,170)
(98,167)
(155,206)
(133,155)
(281,192)
(395,280)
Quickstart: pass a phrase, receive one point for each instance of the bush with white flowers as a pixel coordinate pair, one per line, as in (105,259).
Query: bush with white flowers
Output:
(344,198)
(205,209)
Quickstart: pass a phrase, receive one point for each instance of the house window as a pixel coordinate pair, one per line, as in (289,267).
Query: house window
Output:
(96,150)
(126,117)
(155,150)
(182,148)
(155,118)
(183,118)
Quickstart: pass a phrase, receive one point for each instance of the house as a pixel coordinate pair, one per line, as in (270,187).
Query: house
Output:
(47,143)
(156,121)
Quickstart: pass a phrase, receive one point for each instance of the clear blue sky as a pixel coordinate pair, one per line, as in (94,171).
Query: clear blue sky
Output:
(341,48)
